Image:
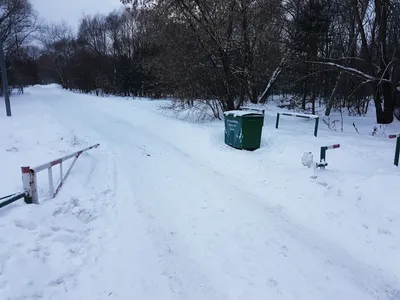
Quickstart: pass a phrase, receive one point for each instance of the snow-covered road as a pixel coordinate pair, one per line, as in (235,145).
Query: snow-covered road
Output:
(188,231)
(195,220)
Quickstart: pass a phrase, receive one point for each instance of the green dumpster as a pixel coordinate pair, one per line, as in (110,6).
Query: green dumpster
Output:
(243,129)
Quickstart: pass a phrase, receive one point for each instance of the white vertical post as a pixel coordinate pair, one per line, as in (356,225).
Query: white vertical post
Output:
(26,184)
(51,186)
(33,184)
(29,185)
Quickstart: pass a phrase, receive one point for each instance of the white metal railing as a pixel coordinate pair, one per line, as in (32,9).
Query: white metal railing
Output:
(29,179)
(299,115)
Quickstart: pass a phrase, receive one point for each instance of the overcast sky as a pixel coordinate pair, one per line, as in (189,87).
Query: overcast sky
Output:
(72,10)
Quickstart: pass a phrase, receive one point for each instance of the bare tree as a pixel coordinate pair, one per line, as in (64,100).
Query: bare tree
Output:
(214,49)
(57,42)
(341,53)
(376,61)
(17,22)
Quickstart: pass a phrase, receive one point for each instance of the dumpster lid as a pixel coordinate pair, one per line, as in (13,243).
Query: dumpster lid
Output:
(239,113)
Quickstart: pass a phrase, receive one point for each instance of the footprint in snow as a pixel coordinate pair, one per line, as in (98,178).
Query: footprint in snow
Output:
(13,150)
(59,211)
(272,282)
(65,239)
(284,251)
(45,234)
(323,183)
(83,215)
(106,192)
(393,294)
(384,231)
(25,224)
(56,282)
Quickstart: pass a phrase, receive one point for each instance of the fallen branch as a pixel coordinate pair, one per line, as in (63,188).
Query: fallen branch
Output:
(351,71)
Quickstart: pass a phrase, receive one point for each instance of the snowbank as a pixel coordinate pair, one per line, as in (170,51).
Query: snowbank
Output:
(43,248)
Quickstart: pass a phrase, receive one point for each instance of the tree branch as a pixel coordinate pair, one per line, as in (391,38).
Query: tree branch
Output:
(352,71)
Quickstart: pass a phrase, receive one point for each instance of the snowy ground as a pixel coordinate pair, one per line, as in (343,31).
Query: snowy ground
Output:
(164,210)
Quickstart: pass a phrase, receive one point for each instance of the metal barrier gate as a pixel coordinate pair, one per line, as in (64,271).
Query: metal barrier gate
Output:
(29,180)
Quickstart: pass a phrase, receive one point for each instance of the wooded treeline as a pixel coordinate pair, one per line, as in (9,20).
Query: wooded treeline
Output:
(344,54)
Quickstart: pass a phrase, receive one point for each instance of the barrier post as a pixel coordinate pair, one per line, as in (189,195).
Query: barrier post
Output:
(322,156)
(316,126)
(322,159)
(397,151)
(277,120)
(29,185)
(396,155)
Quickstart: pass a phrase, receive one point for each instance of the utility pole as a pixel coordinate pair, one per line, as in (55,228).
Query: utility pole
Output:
(5,80)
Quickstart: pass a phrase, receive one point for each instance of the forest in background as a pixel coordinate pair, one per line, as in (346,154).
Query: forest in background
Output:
(342,54)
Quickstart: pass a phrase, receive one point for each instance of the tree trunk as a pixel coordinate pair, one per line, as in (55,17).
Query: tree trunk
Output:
(303,102)
(274,76)
(352,53)
(253,95)
(241,98)
(230,105)
(314,97)
(388,103)
(378,106)
(329,105)
(385,87)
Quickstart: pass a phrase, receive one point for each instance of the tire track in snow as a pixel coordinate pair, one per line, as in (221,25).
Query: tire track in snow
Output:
(304,238)
(290,245)
(375,281)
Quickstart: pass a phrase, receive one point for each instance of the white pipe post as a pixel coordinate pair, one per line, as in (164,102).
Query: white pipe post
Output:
(51,186)
(61,172)
(66,175)
(33,184)
(29,185)
(26,184)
